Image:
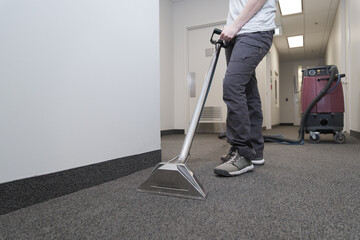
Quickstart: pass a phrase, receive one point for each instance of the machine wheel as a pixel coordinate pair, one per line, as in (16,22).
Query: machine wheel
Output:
(314,138)
(339,138)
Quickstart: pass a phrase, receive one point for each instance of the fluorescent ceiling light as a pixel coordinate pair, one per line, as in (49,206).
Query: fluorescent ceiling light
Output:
(296,41)
(290,6)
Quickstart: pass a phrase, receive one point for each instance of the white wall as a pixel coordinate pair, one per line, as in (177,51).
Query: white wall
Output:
(275,106)
(287,72)
(354,56)
(336,53)
(166,65)
(261,78)
(343,50)
(289,110)
(336,45)
(189,13)
(79,83)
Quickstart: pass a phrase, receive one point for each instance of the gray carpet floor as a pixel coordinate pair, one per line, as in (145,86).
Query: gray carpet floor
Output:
(309,191)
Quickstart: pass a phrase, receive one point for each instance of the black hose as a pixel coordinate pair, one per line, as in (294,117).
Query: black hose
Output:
(267,138)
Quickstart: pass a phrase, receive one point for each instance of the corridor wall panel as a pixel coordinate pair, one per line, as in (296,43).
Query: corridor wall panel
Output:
(79,83)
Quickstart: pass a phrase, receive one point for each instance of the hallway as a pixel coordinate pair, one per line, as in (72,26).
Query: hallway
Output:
(83,109)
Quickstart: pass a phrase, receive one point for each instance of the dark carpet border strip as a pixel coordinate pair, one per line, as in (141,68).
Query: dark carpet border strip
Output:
(355,134)
(172,131)
(26,192)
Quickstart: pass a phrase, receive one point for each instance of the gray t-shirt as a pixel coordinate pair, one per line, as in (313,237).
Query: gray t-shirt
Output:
(263,20)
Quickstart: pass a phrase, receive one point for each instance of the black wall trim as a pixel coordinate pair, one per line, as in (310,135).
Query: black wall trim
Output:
(286,124)
(355,134)
(173,131)
(26,192)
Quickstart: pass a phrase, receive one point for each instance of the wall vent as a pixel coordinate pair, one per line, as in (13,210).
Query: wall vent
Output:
(211,113)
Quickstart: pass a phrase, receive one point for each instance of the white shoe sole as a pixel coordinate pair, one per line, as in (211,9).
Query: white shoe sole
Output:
(258,161)
(244,170)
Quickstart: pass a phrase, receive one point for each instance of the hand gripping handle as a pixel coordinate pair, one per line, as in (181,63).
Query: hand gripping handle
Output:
(217,31)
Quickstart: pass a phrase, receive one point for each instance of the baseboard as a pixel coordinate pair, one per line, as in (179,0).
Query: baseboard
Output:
(172,131)
(355,134)
(286,124)
(26,192)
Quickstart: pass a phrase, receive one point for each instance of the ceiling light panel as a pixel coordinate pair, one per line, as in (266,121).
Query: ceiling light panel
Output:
(296,41)
(289,7)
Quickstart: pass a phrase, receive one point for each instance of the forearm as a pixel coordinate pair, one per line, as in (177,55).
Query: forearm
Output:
(249,10)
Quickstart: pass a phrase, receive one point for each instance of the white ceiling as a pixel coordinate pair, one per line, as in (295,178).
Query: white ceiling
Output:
(315,23)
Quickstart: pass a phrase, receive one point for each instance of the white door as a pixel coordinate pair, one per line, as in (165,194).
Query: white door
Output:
(200,52)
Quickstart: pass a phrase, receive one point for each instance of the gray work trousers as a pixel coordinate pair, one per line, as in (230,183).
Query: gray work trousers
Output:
(241,94)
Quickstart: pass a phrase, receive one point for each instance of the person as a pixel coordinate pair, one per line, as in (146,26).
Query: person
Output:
(249,32)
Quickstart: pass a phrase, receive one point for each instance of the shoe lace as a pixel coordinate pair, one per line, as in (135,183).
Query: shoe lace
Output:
(231,152)
(232,156)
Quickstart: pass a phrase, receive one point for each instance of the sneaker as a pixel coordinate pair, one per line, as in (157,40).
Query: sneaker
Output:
(236,165)
(256,161)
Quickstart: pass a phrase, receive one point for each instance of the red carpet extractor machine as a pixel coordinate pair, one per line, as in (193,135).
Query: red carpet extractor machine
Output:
(327,115)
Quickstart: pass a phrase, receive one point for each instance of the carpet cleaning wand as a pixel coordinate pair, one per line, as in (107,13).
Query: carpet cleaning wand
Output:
(173,178)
